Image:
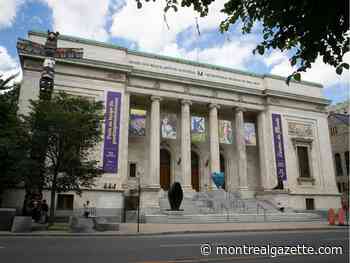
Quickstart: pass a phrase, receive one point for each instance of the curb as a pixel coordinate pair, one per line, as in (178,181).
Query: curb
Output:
(104,234)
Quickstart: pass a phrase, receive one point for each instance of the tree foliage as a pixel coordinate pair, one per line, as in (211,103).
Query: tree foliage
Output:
(70,127)
(13,138)
(308,28)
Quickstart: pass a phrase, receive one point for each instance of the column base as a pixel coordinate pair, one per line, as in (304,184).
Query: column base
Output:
(150,197)
(245,193)
(188,191)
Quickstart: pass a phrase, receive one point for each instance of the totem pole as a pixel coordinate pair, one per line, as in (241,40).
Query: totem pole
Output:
(48,52)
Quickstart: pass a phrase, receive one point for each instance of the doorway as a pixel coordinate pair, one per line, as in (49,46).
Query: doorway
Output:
(164,180)
(195,171)
(222,169)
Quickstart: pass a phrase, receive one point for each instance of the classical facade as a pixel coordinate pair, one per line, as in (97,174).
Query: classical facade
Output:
(173,120)
(339,132)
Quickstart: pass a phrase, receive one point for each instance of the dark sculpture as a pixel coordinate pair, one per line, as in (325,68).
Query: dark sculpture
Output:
(279,184)
(175,196)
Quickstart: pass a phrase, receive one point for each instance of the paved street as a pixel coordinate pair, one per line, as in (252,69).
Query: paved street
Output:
(168,248)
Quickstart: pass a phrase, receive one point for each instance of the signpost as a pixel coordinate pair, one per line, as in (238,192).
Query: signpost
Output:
(49,52)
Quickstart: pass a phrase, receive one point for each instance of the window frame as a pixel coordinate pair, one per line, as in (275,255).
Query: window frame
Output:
(303,142)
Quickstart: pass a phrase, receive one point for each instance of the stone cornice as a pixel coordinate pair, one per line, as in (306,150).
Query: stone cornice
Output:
(83,62)
(187,81)
(291,96)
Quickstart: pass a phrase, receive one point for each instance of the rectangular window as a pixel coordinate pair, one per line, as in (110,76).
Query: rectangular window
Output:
(303,158)
(65,202)
(338,166)
(334,131)
(346,156)
(310,204)
(132,169)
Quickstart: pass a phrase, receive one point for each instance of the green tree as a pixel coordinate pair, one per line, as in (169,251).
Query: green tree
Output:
(13,137)
(307,28)
(70,127)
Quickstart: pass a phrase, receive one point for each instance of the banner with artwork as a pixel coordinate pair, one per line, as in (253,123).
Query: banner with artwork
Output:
(137,126)
(111,136)
(168,126)
(279,148)
(249,133)
(225,132)
(198,129)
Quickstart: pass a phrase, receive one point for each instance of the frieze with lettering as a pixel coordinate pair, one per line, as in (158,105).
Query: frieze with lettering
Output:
(297,129)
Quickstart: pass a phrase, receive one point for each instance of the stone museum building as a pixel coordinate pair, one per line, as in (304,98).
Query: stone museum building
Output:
(171,120)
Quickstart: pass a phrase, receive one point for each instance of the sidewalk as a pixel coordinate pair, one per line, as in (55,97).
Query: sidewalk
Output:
(130,229)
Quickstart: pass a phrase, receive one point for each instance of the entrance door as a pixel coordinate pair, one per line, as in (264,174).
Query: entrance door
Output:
(222,168)
(195,171)
(164,169)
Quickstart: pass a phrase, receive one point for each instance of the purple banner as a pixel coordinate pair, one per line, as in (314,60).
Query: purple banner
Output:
(279,148)
(111,138)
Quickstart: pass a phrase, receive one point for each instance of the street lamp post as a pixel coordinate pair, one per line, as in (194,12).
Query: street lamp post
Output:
(138,202)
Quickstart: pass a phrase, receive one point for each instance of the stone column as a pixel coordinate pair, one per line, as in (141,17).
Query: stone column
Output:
(263,154)
(125,140)
(214,140)
(186,145)
(154,149)
(241,152)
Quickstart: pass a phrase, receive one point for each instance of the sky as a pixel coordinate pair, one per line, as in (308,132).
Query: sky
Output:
(120,22)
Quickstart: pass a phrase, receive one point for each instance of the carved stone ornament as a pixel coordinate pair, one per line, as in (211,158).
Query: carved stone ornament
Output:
(302,130)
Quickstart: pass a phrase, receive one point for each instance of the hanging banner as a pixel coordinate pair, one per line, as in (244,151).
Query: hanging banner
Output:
(198,129)
(168,126)
(225,132)
(279,148)
(111,137)
(137,126)
(249,133)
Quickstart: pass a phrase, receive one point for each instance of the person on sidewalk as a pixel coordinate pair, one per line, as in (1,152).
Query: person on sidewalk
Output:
(87,209)
(36,211)
(44,211)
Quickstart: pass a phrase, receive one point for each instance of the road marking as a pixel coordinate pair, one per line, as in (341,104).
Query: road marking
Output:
(179,245)
(1,247)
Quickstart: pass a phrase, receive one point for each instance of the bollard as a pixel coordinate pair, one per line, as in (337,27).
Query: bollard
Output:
(341,217)
(331,216)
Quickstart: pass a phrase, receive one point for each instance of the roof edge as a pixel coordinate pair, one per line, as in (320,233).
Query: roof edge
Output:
(173,59)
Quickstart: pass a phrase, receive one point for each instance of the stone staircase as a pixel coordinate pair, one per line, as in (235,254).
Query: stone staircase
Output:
(223,207)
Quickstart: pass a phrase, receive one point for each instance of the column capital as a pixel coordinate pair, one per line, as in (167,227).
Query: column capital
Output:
(156,98)
(214,105)
(239,109)
(186,102)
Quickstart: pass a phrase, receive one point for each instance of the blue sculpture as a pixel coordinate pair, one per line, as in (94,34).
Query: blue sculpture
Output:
(219,179)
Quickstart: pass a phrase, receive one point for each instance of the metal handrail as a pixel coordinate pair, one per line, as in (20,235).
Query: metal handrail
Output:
(258,205)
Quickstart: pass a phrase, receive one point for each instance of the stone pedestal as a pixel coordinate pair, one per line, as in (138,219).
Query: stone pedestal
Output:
(6,218)
(22,224)
(149,200)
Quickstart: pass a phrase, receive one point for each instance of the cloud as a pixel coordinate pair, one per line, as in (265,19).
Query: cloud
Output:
(80,18)
(147,27)
(319,72)
(6,61)
(234,54)
(8,12)
(9,66)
